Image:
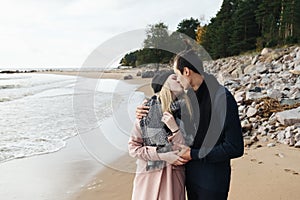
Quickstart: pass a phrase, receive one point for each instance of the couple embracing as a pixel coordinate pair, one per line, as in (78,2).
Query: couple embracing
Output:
(184,141)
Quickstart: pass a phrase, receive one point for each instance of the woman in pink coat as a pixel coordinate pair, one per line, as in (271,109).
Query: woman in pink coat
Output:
(153,142)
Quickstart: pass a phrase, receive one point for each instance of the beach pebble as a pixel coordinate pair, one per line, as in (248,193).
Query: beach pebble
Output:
(280,155)
(271,145)
(297,145)
(297,136)
(292,142)
(264,139)
(251,112)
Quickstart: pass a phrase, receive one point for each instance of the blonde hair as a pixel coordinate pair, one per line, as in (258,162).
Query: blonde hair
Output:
(165,96)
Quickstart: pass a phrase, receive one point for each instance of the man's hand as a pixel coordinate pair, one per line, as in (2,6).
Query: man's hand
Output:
(142,110)
(172,158)
(185,151)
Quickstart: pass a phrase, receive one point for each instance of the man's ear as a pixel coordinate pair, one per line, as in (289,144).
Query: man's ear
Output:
(186,71)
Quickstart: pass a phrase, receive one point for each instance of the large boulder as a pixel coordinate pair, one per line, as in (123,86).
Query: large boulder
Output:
(289,117)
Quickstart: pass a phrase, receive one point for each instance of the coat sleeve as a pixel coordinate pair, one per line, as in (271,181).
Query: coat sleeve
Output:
(230,144)
(137,149)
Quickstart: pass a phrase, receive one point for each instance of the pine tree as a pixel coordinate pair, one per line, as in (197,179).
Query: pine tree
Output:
(245,28)
(289,21)
(188,27)
(268,19)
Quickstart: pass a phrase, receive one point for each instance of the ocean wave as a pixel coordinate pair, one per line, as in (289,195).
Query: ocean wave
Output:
(9,86)
(32,147)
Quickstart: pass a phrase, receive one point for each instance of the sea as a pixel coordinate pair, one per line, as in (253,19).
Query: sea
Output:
(38,114)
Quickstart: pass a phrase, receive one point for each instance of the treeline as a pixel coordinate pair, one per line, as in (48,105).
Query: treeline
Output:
(158,38)
(243,25)
(239,26)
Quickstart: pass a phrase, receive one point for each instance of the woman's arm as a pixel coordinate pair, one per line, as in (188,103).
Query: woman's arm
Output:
(137,149)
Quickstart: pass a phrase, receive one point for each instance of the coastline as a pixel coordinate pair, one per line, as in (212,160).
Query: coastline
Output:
(262,173)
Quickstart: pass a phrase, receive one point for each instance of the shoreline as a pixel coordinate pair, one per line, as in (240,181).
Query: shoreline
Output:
(144,83)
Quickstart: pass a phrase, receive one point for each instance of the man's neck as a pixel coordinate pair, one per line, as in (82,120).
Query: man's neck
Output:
(197,81)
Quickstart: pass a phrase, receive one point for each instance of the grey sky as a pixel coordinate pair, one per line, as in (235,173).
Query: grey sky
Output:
(57,33)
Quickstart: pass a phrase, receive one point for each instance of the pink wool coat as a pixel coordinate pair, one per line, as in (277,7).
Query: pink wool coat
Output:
(159,184)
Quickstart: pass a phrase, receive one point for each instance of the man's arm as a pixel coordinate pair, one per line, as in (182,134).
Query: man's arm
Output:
(231,146)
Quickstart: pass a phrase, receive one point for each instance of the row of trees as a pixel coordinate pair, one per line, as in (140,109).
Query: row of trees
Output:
(157,38)
(243,25)
(239,26)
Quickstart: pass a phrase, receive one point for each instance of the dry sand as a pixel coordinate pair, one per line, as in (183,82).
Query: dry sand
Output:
(263,173)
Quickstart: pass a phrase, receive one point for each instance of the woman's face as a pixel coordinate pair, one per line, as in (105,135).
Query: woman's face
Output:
(174,85)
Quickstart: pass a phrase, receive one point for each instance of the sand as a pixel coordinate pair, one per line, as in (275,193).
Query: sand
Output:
(263,173)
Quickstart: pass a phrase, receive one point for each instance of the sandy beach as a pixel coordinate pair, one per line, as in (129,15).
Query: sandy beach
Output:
(263,173)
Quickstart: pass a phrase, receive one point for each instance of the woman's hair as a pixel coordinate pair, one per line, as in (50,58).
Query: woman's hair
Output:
(165,96)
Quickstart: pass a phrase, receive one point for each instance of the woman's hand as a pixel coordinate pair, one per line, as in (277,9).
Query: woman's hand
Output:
(169,120)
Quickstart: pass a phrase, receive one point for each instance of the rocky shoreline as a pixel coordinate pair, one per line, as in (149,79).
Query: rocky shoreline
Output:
(266,87)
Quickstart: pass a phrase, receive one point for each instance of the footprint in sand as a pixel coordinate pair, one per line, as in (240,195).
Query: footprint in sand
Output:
(291,171)
(254,160)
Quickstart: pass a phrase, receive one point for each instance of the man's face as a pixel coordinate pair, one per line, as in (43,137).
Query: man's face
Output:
(182,79)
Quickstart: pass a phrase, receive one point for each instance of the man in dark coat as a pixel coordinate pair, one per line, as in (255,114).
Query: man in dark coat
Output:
(218,136)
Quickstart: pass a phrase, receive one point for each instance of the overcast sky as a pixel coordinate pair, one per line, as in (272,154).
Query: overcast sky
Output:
(62,33)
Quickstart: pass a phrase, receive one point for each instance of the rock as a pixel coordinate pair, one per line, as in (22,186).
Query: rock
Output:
(280,155)
(250,69)
(262,69)
(251,112)
(287,133)
(297,145)
(265,139)
(297,137)
(278,68)
(241,108)
(292,142)
(139,73)
(248,143)
(289,117)
(254,138)
(287,58)
(239,96)
(298,55)
(256,89)
(253,119)
(128,77)
(254,95)
(296,70)
(254,60)
(273,136)
(271,145)
(246,125)
(280,136)
(147,74)
(262,130)
(265,51)
(274,94)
